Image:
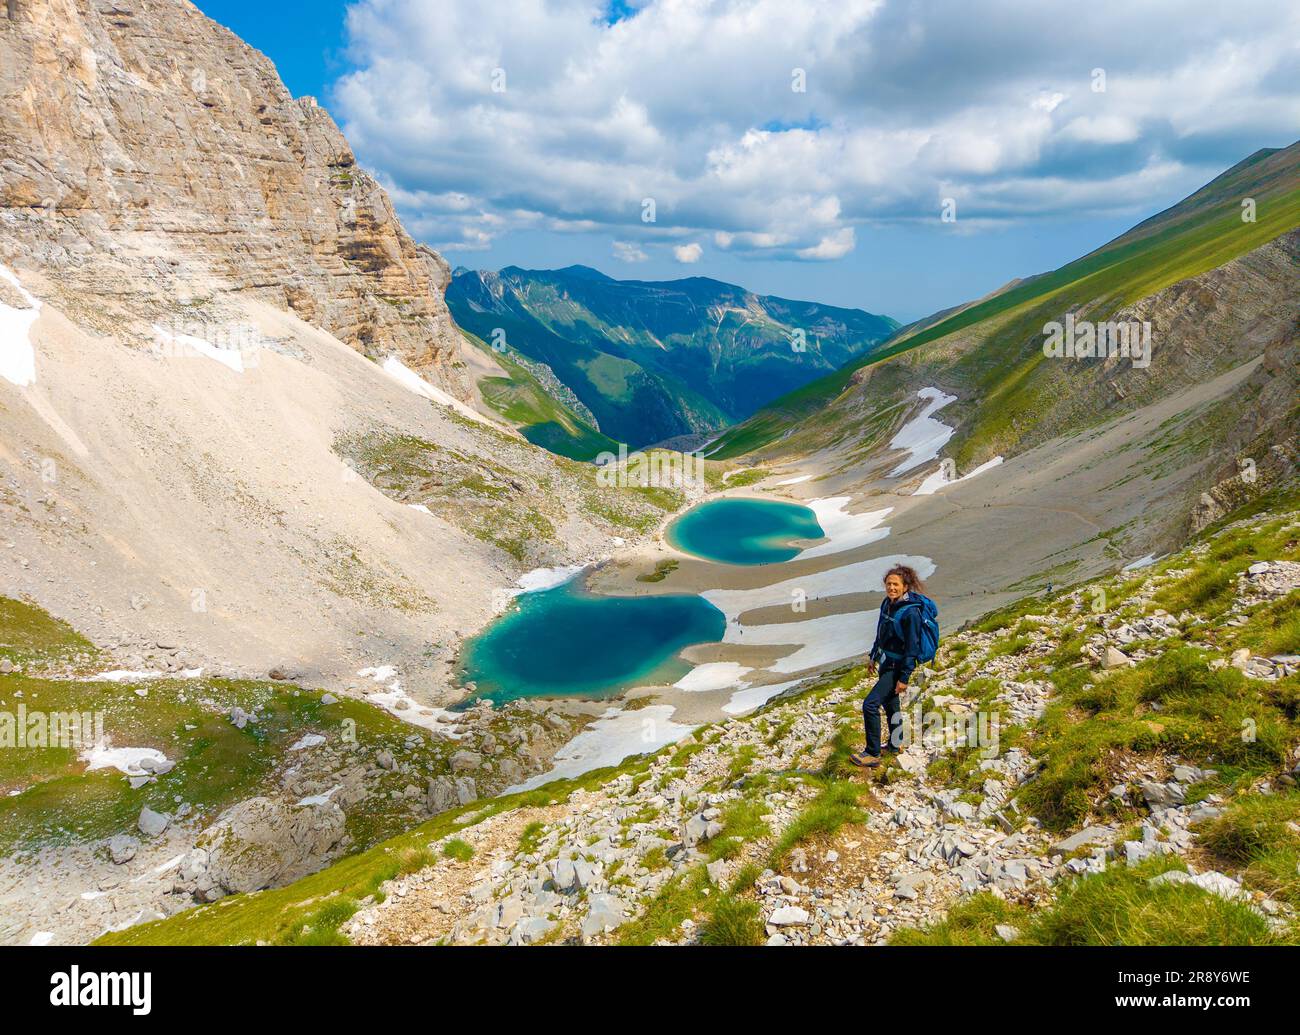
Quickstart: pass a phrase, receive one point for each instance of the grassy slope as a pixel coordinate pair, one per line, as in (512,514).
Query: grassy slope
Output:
(47,797)
(1201,233)
(541,418)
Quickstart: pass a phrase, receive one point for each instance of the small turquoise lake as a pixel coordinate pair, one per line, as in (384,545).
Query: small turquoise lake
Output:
(744,531)
(565,642)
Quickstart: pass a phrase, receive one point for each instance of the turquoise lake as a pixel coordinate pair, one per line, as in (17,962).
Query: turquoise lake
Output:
(744,531)
(565,642)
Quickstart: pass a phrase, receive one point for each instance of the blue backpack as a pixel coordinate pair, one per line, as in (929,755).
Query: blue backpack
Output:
(929,624)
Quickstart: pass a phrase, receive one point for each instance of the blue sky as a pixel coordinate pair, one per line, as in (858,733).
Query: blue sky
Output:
(808,149)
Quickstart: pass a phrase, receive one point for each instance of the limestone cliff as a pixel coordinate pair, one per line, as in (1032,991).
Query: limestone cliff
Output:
(148,156)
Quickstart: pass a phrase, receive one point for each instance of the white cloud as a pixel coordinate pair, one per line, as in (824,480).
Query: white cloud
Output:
(626,251)
(832,246)
(688,252)
(689,102)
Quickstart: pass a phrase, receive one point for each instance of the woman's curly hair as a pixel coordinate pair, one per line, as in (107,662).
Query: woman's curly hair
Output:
(911,580)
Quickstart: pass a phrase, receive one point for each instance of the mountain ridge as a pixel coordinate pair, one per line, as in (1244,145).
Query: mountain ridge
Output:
(654,360)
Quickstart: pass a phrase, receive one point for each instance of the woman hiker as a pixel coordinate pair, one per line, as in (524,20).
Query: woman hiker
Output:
(894,655)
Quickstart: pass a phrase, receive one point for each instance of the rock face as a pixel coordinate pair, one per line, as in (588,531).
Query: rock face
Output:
(258,844)
(143,142)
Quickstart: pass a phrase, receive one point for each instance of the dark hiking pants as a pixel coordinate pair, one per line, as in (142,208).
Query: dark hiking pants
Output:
(882,695)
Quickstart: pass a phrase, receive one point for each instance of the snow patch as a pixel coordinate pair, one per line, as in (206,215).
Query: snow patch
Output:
(715,675)
(122,675)
(17,352)
(844,531)
(124,759)
(860,577)
(610,739)
(1143,562)
(231,358)
(310,740)
(797,480)
(381,674)
(817,641)
(319,799)
(547,578)
(170,864)
(938,479)
(413,382)
(749,698)
(923,436)
(535,581)
(396,701)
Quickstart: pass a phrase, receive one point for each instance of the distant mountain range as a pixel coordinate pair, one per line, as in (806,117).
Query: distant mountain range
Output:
(652,360)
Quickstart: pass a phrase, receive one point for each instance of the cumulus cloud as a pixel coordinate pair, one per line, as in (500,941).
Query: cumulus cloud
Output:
(688,252)
(778,128)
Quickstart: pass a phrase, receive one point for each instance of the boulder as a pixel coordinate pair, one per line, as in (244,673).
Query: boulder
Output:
(152,823)
(788,916)
(1163,795)
(466,791)
(440,794)
(604,914)
(1114,658)
(1087,836)
(122,848)
(260,843)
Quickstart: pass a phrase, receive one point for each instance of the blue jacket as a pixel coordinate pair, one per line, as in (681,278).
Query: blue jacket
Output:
(907,647)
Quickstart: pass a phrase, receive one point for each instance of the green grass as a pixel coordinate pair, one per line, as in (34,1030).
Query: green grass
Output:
(661,571)
(530,837)
(1118,907)
(217,764)
(732,920)
(1210,582)
(970,922)
(1259,834)
(1010,645)
(541,418)
(32,638)
(838,803)
(741,822)
(746,476)
(461,851)
(1274,627)
(1204,716)
(676,901)
(1122,907)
